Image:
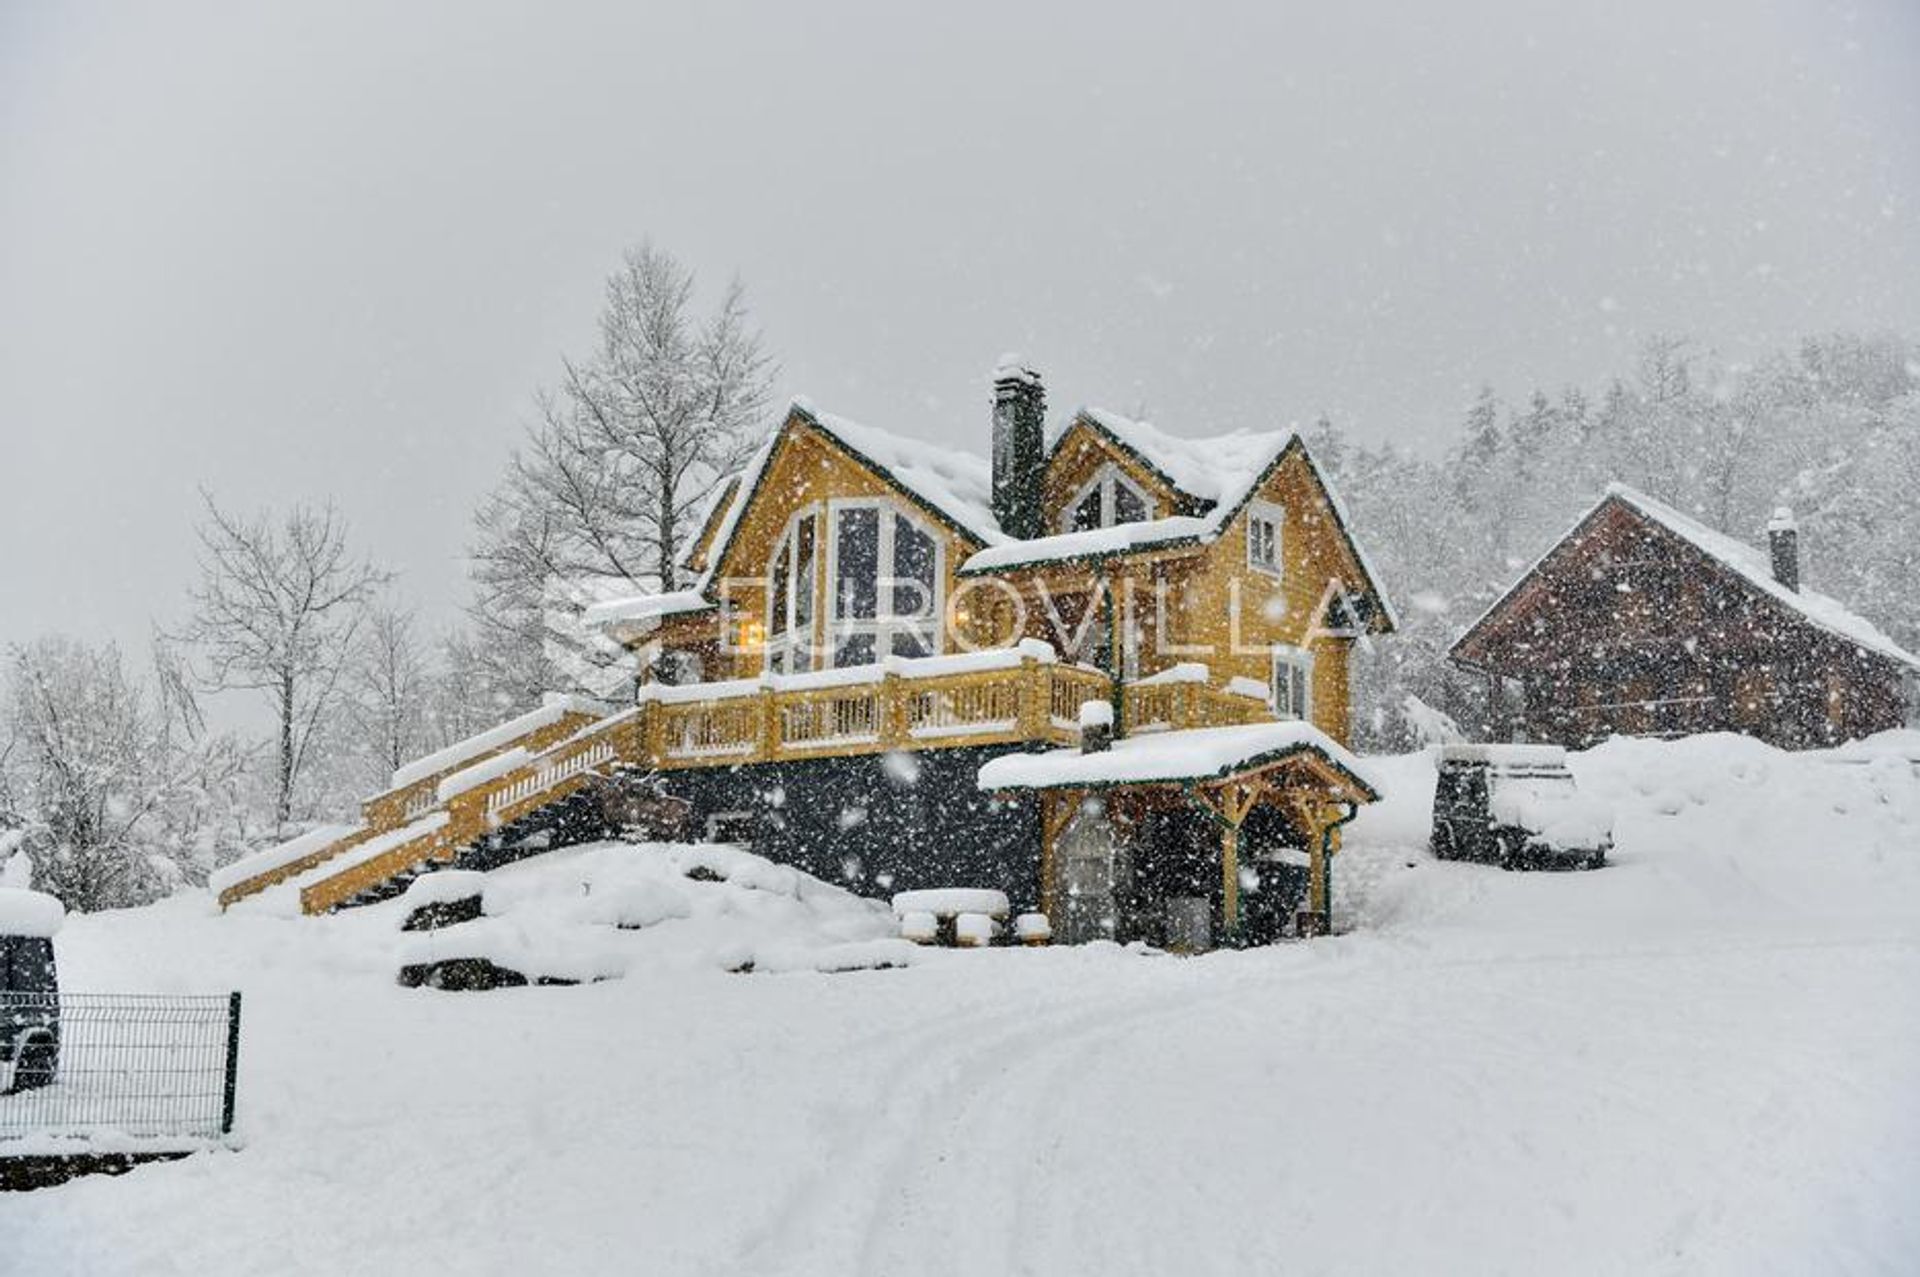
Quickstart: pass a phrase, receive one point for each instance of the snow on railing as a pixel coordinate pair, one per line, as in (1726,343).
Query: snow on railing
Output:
(547,777)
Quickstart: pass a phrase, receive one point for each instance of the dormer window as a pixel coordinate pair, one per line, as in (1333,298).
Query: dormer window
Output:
(1264,521)
(1108,498)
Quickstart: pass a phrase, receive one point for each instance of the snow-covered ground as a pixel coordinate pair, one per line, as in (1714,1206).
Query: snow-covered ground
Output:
(1702,1059)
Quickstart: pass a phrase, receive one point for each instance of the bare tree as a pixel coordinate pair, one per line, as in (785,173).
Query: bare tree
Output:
(623,453)
(278,610)
(390,693)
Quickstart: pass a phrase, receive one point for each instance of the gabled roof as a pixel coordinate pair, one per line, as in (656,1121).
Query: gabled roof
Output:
(1751,566)
(1216,475)
(953,486)
(951,483)
(1215,470)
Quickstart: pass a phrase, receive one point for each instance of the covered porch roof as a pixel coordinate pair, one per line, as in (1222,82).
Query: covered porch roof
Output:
(1225,772)
(1196,756)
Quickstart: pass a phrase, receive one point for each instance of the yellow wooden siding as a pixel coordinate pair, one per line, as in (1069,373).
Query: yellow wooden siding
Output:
(808,468)
(1270,610)
(1197,584)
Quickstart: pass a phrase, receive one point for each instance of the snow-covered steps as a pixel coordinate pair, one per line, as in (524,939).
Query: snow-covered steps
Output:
(468,789)
(253,874)
(471,803)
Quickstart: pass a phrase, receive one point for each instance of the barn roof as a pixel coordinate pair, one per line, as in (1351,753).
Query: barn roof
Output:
(1752,566)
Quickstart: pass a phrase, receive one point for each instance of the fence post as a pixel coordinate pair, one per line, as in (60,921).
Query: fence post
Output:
(233,1062)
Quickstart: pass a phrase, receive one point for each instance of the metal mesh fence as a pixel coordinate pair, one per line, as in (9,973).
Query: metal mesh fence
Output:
(127,1063)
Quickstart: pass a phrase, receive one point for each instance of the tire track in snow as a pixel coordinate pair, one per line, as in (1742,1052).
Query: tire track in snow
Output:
(936,1075)
(937,1210)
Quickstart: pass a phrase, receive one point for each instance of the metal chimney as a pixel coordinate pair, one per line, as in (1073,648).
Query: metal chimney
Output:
(1019,447)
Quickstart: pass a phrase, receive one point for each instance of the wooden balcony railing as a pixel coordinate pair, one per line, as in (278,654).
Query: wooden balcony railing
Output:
(1073,685)
(1019,695)
(1172,704)
(902,706)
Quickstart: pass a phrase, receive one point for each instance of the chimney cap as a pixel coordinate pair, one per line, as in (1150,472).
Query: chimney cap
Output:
(1782,520)
(1013,366)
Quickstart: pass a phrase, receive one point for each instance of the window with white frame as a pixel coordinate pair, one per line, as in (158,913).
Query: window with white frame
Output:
(790,577)
(1106,499)
(883,583)
(1292,690)
(1264,521)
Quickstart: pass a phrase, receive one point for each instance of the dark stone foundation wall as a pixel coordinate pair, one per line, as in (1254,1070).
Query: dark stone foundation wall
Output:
(876,824)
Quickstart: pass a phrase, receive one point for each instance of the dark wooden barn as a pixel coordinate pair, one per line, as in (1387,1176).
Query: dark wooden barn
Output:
(1644,622)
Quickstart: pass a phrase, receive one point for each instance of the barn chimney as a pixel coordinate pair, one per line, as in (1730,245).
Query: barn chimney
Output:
(1783,538)
(1019,460)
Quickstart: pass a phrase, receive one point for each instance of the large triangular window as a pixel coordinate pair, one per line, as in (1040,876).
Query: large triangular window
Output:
(1104,500)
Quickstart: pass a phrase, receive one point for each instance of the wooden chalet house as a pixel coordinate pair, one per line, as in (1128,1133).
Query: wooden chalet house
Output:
(880,673)
(1642,621)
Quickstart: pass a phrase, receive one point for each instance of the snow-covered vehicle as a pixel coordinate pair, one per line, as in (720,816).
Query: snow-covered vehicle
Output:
(1516,806)
(29,990)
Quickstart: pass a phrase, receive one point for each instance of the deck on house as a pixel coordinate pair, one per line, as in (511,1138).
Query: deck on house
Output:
(454,799)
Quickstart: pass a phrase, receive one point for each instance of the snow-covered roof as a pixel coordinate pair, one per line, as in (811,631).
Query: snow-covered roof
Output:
(29,913)
(712,506)
(952,483)
(1194,754)
(956,483)
(647,607)
(1752,565)
(1121,538)
(1219,472)
(1216,468)
(1755,566)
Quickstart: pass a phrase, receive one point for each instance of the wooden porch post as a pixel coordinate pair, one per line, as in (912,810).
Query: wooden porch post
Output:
(1230,877)
(1056,809)
(1317,863)
(1235,802)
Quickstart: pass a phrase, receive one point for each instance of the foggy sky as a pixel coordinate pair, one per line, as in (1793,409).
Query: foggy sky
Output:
(328,251)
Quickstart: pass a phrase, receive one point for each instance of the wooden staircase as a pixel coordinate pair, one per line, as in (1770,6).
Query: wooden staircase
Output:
(474,795)
(424,823)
